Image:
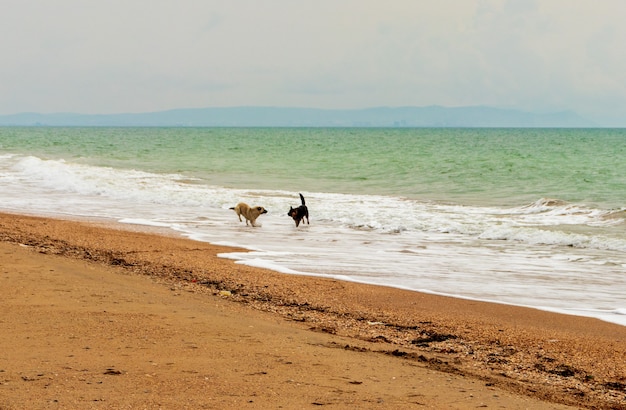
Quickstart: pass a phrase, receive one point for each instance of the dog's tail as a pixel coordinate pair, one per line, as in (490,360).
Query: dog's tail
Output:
(302,199)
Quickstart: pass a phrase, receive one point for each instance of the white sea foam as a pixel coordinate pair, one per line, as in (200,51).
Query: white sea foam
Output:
(549,254)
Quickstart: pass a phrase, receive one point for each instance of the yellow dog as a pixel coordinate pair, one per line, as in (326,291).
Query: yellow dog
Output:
(248,212)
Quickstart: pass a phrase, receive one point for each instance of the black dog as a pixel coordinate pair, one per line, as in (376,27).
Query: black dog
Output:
(299,213)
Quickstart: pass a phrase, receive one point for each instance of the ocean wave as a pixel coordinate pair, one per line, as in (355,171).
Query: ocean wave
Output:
(542,236)
(545,221)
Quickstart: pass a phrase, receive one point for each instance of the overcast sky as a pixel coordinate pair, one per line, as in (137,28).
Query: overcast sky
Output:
(119,56)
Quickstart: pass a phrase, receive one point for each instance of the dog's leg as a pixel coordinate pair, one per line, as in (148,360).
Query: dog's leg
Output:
(237,212)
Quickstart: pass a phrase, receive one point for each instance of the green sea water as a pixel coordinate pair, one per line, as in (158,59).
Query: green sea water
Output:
(467,166)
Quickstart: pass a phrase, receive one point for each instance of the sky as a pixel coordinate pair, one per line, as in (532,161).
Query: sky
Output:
(116,56)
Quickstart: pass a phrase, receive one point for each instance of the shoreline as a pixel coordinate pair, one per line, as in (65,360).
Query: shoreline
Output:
(556,358)
(610,316)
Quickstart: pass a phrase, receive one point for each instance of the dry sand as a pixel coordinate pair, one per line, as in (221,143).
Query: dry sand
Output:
(95,315)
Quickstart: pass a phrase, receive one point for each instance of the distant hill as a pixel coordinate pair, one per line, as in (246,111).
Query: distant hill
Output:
(431,116)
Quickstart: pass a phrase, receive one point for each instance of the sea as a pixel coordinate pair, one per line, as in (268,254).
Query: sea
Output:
(529,217)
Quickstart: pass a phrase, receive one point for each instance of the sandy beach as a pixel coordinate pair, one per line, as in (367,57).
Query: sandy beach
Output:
(100,315)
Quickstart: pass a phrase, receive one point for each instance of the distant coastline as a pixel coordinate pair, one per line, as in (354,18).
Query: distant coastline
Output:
(425,117)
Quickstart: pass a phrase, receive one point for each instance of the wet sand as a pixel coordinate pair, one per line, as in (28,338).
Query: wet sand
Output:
(99,315)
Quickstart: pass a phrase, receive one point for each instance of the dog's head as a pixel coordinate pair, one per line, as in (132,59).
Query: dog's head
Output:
(257,210)
(293,212)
